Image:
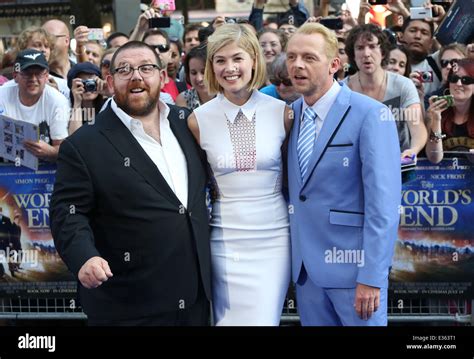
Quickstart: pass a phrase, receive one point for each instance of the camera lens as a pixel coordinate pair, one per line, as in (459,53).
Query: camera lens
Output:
(426,76)
(89,85)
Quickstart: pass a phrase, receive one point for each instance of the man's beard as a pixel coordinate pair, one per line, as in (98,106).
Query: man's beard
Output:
(417,56)
(132,110)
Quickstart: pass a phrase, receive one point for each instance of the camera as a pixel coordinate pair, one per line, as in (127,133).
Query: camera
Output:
(90,85)
(449,99)
(96,35)
(159,22)
(231,20)
(332,23)
(425,76)
(420,13)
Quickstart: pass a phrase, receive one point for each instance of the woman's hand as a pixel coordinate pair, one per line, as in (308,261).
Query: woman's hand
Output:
(436,108)
(102,87)
(77,90)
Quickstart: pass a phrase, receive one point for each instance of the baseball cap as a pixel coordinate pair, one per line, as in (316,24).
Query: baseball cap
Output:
(82,67)
(30,57)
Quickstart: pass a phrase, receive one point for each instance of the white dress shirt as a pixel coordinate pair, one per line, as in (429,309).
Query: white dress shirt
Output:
(167,156)
(323,105)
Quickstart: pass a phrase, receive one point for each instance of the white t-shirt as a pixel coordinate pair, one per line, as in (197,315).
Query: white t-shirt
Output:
(62,85)
(50,113)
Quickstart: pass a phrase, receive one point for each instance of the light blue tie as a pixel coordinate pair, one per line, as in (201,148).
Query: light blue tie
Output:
(306,139)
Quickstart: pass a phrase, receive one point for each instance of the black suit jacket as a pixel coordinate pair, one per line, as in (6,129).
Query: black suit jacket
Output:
(110,200)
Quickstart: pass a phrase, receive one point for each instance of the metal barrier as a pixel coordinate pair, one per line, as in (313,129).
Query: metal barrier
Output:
(409,310)
(431,310)
(40,308)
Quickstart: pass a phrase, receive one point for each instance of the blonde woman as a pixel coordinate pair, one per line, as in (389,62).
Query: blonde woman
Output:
(242,132)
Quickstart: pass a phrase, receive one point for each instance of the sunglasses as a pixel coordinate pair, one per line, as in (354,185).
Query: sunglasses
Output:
(451,62)
(161,48)
(465,80)
(278,82)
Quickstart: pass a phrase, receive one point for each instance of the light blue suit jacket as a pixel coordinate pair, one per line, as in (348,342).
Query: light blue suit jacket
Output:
(348,203)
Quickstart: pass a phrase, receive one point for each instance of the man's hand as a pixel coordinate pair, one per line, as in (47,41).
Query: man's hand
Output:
(348,19)
(218,21)
(142,24)
(364,9)
(398,7)
(94,272)
(409,152)
(81,34)
(367,300)
(41,150)
(313,19)
(437,11)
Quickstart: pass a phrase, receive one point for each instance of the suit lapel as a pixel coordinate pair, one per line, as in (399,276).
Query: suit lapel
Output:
(295,167)
(331,124)
(121,138)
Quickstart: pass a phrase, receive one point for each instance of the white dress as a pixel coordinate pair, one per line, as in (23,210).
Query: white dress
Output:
(250,245)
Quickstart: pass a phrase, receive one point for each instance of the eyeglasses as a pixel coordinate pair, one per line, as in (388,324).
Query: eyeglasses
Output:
(105,63)
(126,72)
(451,62)
(465,80)
(30,74)
(161,48)
(278,82)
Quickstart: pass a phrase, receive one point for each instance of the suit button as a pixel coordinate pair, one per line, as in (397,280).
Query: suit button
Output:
(302,198)
(190,214)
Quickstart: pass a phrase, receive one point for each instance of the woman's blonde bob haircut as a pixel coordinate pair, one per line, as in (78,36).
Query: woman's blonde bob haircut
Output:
(246,40)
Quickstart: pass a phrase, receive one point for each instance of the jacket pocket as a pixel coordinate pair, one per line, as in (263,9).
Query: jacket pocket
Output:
(341,145)
(344,218)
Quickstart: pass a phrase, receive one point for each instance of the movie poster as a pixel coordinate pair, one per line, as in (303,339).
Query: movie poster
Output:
(29,263)
(434,254)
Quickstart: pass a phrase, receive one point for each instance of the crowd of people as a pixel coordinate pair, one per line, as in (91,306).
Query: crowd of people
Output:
(276,141)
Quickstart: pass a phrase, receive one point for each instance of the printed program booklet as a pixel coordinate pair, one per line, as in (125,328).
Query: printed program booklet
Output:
(12,134)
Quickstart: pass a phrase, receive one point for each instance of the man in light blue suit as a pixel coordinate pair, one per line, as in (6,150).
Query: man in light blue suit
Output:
(345,187)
